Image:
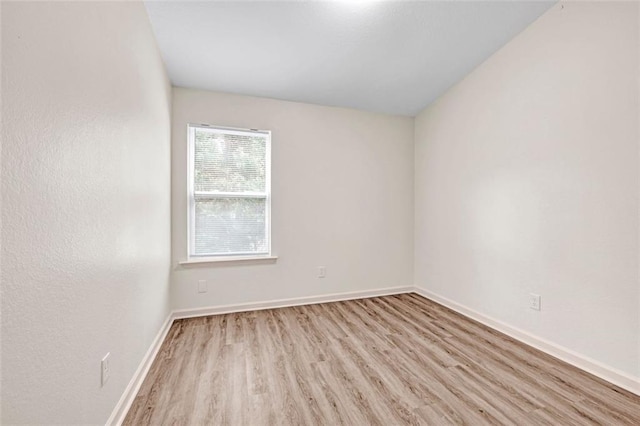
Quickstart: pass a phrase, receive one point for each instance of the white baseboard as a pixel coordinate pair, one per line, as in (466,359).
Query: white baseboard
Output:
(619,378)
(130,393)
(283,303)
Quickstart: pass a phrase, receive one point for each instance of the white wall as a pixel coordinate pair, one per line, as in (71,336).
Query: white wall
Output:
(86,205)
(342,185)
(526,178)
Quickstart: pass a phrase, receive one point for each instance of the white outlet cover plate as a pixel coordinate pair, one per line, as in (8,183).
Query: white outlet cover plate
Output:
(534,301)
(105,369)
(322,271)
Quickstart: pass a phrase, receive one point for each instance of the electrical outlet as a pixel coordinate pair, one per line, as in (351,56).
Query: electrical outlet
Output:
(105,369)
(202,286)
(322,271)
(534,301)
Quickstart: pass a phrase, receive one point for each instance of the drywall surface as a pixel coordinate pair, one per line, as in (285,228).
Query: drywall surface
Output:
(526,179)
(86,205)
(342,197)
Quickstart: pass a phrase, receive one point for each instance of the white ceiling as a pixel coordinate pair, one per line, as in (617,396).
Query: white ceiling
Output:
(390,57)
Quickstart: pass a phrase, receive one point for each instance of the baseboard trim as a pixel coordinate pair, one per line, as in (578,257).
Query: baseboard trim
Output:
(122,408)
(583,362)
(283,303)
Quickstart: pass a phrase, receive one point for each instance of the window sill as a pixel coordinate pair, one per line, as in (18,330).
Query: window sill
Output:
(228,260)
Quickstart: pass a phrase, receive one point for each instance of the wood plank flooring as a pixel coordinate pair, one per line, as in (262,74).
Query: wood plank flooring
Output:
(394,360)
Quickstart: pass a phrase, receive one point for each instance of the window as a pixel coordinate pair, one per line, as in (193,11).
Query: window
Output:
(229,192)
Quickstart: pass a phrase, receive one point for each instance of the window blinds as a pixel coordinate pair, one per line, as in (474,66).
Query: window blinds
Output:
(230,193)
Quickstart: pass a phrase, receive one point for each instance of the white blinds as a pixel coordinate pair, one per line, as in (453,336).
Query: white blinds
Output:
(230,192)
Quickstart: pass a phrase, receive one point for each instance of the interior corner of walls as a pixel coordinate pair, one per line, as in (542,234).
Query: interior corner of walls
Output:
(129,394)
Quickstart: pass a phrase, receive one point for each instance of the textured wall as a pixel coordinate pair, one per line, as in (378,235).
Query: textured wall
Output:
(527,182)
(342,186)
(86,205)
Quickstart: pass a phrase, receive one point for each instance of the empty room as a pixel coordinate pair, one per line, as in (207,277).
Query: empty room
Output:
(320,213)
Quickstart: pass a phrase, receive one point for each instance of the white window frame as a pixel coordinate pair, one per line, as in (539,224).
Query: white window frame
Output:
(192,195)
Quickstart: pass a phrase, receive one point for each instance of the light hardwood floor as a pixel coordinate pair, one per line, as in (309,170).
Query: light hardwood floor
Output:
(390,360)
